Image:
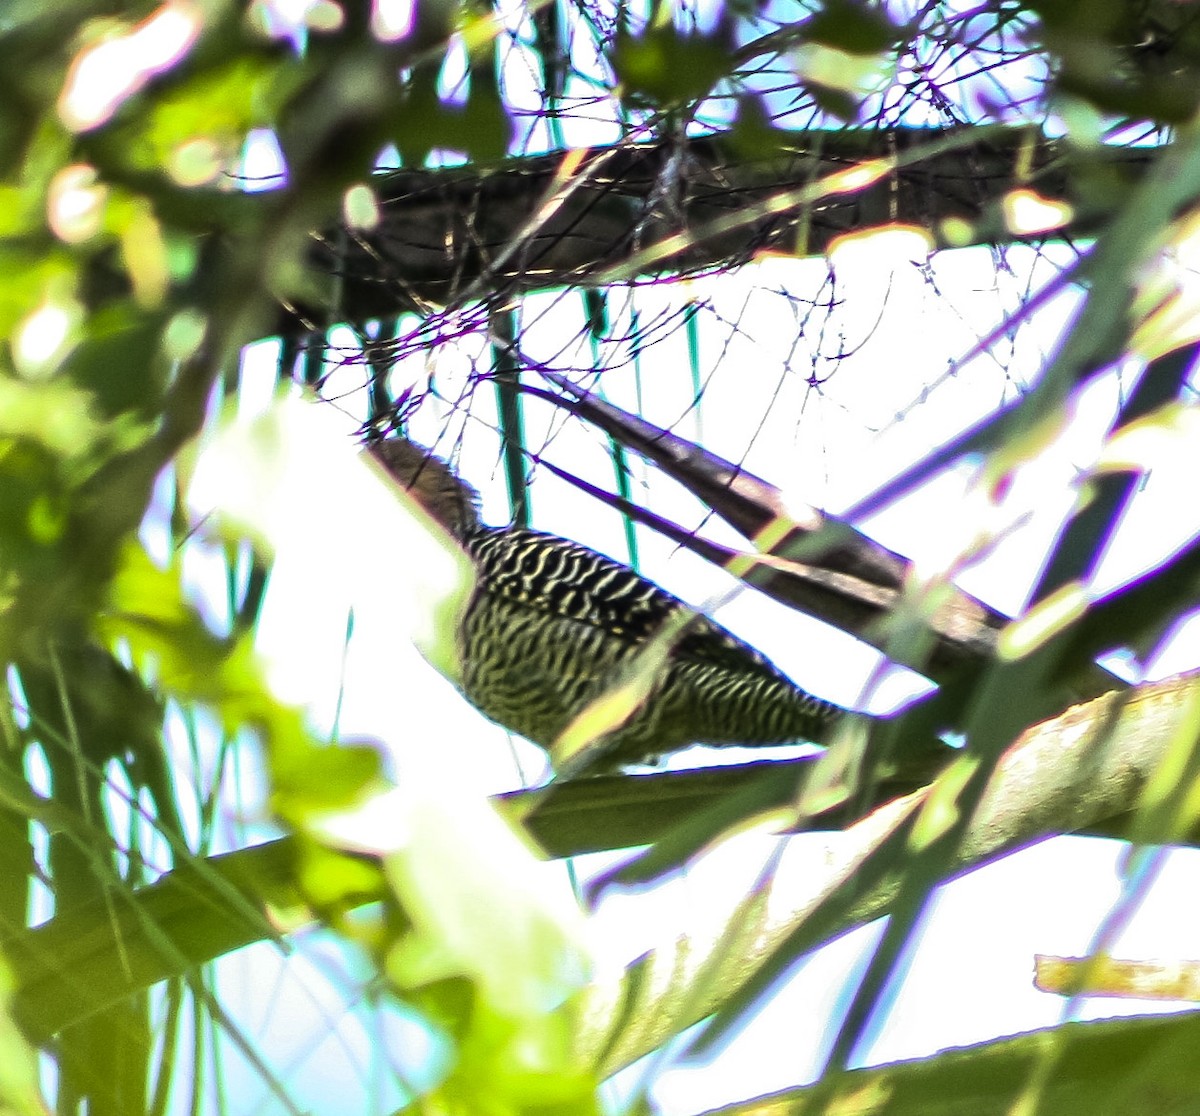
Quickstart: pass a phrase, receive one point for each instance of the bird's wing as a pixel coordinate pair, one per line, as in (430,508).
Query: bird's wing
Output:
(566,579)
(559,577)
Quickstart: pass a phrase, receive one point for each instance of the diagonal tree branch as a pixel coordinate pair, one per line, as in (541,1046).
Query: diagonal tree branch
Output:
(809,558)
(1090,763)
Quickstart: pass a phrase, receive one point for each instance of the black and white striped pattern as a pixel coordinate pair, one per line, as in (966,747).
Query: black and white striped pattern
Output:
(552,626)
(552,623)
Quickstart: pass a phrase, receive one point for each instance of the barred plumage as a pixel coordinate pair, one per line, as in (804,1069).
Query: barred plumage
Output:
(551,624)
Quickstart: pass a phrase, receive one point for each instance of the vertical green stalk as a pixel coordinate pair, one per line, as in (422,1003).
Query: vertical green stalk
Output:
(595,304)
(507,377)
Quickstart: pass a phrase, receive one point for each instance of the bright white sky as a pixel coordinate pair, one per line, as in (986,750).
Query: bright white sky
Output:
(970,977)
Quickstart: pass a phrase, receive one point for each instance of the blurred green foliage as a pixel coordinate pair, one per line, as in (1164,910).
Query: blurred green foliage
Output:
(132,272)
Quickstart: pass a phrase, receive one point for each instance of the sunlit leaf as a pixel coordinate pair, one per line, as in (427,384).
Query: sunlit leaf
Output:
(1117,977)
(20,1085)
(488,946)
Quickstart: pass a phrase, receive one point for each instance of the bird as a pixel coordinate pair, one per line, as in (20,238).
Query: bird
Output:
(551,626)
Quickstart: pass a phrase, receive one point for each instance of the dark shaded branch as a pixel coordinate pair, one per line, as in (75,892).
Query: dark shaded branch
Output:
(809,559)
(585,218)
(606,812)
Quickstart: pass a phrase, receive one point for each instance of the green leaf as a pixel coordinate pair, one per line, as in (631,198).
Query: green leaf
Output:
(1111,1068)
(20,1086)
(853,28)
(487,945)
(31,274)
(481,128)
(667,68)
(206,116)
(99,953)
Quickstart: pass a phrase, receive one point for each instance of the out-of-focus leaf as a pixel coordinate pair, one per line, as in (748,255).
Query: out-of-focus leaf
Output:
(845,55)
(112,339)
(668,68)
(18,214)
(1126,60)
(210,111)
(489,962)
(30,275)
(269,476)
(165,635)
(487,946)
(97,954)
(56,414)
(1171,432)
(337,882)
(480,128)
(1117,977)
(20,1085)
(853,27)
(475,915)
